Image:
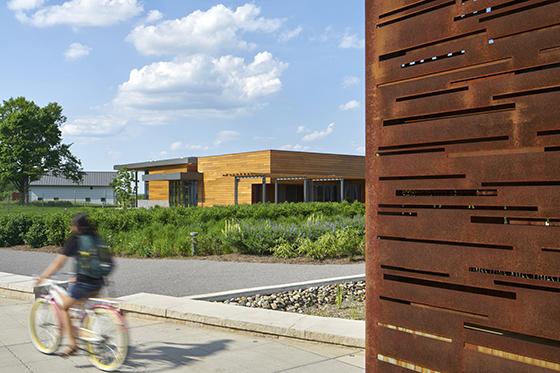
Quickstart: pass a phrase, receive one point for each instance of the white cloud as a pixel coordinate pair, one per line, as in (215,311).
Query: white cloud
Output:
(350,81)
(226,136)
(213,31)
(302,129)
(295,147)
(176,146)
(319,135)
(76,51)
(352,41)
(201,85)
(290,34)
(20,5)
(95,126)
(80,13)
(153,16)
(350,105)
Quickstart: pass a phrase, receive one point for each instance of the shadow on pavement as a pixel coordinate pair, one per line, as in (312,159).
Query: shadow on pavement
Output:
(162,356)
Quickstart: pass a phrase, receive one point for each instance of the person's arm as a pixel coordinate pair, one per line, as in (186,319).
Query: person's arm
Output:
(54,267)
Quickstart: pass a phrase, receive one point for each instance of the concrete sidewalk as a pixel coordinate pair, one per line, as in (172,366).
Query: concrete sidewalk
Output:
(158,346)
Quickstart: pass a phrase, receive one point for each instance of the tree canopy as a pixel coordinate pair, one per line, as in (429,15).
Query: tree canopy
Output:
(122,185)
(31,144)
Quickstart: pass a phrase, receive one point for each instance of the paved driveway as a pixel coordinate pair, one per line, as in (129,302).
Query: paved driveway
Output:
(158,346)
(186,277)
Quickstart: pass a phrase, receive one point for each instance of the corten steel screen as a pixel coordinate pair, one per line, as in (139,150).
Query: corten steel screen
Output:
(463,149)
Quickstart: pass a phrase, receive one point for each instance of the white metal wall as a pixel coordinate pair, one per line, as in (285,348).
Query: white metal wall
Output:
(73,194)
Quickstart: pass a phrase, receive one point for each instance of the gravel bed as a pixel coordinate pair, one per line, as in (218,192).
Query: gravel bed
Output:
(301,300)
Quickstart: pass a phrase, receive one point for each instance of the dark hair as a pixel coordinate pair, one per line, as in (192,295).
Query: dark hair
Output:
(82,222)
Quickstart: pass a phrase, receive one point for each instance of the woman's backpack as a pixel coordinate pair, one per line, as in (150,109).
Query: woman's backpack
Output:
(94,257)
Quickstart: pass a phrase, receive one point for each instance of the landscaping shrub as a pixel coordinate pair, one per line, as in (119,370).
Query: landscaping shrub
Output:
(316,230)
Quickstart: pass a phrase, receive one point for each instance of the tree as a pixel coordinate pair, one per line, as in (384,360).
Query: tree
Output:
(31,145)
(122,185)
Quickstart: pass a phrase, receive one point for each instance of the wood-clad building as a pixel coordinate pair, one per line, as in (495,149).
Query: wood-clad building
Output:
(252,177)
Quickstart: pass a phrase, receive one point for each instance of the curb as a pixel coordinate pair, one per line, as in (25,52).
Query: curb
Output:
(343,332)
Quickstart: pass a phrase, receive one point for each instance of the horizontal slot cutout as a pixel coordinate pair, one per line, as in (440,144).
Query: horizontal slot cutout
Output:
(552,148)
(513,357)
(423,177)
(521,275)
(415,332)
(524,70)
(529,92)
(520,183)
(517,10)
(527,286)
(432,94)
(415,14)
(405,8)
(505,220)
(459,207)
(410,270)
(433,59)
(434,308)
(402,52)
(447,193)
(449,114)
(447,243)
(408,152)
(448,142)
(405,364)
(549,132)
(451,286)
(397,213)
(510,334)
(489,9)
(550,250)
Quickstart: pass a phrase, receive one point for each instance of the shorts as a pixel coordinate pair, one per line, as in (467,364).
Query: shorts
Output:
(83,290)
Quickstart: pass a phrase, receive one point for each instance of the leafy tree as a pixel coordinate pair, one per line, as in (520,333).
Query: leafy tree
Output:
(122,185)
(31,145)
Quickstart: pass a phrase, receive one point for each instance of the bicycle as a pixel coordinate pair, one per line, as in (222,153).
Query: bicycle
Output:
(107,351)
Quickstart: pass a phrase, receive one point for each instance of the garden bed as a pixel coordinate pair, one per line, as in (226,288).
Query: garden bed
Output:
(315,231)
(344,300)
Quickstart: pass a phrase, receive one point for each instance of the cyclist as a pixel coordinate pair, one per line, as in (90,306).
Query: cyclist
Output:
(82,286)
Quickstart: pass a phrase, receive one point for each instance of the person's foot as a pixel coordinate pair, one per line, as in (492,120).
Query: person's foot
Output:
(69,351)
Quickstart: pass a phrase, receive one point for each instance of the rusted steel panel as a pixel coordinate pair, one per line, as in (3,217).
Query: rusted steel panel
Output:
(463,169)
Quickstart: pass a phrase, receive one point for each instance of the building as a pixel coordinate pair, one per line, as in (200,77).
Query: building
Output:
(94,188)
(252,177)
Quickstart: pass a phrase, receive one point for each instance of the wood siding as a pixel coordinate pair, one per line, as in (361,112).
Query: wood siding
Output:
(159,190)
(285,163)
(218,189)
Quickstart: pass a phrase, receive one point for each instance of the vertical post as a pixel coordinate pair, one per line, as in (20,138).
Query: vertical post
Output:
(136,189)
(311,191)
(264,190)
(341,190)
(305,191)
(276,191)
(236,190)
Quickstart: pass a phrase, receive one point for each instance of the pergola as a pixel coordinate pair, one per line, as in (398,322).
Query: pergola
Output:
(307,183)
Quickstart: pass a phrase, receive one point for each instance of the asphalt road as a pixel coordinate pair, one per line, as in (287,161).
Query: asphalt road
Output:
(185,277)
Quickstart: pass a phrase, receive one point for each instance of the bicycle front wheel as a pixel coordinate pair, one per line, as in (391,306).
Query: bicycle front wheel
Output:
(45,326)
(108,345)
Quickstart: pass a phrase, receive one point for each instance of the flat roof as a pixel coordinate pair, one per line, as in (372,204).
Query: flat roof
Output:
(150,164)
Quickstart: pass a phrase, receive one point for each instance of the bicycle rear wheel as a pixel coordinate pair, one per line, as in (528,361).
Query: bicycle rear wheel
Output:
(45,326)
(108,346)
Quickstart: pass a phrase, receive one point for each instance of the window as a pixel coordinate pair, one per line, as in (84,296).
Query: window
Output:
(56,198)
(88,199)
(90,188)
(39,198)
(103,199)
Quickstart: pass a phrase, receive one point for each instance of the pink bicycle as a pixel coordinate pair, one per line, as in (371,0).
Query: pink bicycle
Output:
(100,327)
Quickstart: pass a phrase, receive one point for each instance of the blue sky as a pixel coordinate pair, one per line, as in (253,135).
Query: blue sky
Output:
(145,80)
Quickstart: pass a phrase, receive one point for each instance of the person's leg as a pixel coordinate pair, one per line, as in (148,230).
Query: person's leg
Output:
(67,303)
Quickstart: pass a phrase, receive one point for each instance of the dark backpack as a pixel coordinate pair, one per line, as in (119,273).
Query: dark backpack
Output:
(94,257)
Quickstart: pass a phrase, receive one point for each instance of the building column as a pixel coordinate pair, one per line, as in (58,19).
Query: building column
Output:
(305,191)
(276,191)
(264,190)
(341,190)
(136,189)
(236,190)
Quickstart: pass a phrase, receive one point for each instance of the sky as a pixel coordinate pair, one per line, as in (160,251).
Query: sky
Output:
(159,79)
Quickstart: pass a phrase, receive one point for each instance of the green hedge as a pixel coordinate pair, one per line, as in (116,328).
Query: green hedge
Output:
(317,230)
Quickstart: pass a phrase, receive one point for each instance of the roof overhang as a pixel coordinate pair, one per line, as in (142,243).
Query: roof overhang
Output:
(176,176)
(142,166)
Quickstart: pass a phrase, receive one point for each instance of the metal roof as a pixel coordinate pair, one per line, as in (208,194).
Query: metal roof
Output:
(166,162)
(93,178)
